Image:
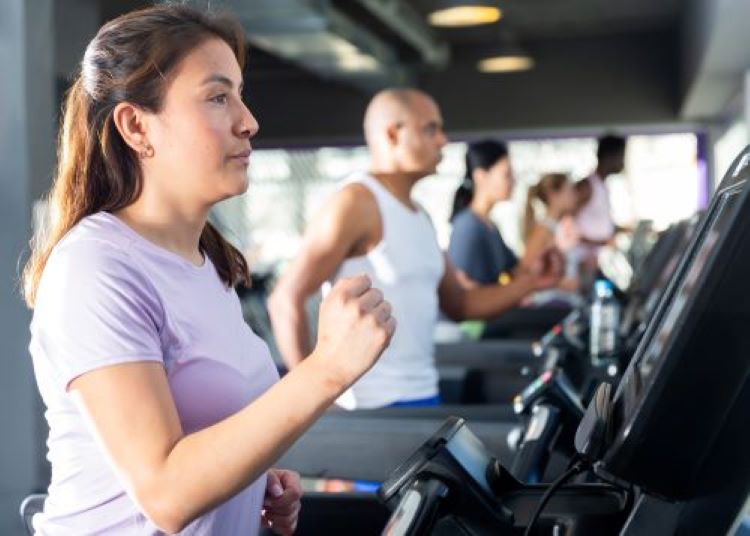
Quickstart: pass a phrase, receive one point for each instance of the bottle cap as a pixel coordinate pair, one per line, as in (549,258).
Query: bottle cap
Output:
(603,287)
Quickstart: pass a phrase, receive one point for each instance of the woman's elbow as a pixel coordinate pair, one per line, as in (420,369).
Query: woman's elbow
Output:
(455,312)
(169,526)
(162,509)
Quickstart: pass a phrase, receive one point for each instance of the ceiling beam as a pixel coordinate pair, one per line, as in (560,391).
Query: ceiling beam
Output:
(409,25)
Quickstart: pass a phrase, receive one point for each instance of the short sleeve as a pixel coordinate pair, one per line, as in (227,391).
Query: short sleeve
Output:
(507,259)
(94,308)
(468,249)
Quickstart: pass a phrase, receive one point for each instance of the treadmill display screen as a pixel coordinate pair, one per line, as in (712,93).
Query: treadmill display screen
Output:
(691,364)
(469,451)
(649,359)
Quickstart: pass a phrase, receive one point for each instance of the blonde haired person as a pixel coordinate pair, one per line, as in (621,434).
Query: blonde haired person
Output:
(553,225)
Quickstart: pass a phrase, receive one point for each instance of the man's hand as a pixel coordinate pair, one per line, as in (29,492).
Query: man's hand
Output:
(282,504)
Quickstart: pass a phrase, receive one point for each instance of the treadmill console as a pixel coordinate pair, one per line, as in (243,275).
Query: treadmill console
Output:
(691,363)
(448,475)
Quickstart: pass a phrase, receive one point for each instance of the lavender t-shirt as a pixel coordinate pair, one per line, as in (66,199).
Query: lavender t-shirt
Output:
(109,296)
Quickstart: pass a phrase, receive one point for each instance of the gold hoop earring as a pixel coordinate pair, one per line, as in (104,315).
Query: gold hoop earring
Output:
(147,152)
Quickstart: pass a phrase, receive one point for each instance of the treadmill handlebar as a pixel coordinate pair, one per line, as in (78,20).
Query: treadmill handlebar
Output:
(566,333)
(417,510)
(551,387)
(452,474)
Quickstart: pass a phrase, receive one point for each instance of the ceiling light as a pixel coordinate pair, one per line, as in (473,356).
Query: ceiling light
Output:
(505,64)
(465,16)
(358,63)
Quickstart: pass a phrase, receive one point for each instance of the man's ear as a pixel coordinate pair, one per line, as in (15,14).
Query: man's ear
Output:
(392,133)
(130,122)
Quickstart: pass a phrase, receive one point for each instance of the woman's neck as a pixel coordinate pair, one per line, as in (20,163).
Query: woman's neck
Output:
(555,213)
(176,230)
(481,206)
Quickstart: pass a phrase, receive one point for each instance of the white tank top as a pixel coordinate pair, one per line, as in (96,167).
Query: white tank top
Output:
(594,220)
(407,266)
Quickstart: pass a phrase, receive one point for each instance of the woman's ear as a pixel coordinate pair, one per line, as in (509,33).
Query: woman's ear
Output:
(130,122)
(479,175)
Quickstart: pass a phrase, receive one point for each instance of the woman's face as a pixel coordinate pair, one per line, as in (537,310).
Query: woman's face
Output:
(564,200)
(498,180)
(201,137)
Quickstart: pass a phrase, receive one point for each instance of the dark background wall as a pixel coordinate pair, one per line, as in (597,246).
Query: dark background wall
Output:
(604,80)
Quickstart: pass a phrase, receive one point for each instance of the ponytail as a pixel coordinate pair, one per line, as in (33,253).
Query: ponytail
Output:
(127,61)
(230,264)
(463,196)
(549,183)
(529,215)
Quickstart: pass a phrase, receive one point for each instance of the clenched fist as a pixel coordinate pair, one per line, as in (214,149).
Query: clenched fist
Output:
(354,328)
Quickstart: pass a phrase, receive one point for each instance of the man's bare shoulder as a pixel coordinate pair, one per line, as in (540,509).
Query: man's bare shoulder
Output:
(357,194)
(355,201)
(351,218)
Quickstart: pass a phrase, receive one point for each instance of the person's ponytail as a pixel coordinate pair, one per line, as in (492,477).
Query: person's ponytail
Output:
(529,215)
(463,196)
(129,60)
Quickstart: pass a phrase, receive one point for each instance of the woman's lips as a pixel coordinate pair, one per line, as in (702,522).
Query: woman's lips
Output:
(243,157)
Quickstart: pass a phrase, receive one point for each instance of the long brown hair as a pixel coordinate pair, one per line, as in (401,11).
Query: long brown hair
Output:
(129,60)
(549,183)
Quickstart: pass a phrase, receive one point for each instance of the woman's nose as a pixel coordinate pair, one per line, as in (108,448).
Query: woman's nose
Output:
(248,125)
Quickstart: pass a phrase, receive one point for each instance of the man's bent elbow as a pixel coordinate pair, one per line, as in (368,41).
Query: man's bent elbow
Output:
(275,303)
(284,311)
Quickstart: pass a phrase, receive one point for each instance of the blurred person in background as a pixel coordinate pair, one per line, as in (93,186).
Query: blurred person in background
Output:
(372,225)
(476,246)
(594,212)
(548,221)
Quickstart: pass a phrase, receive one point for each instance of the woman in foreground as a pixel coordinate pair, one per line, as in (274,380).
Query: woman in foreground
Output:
(165,410)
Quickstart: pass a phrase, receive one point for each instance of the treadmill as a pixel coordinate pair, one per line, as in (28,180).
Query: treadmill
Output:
(666,454)
(553,404)
(367,444)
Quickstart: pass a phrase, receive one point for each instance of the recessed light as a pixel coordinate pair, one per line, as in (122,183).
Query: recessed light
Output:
(465,16)
(505,64)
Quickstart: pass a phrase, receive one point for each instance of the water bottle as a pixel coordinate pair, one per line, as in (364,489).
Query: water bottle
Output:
(605,323)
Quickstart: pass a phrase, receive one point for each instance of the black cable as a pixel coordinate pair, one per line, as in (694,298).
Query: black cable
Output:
(576,469)
(627,487)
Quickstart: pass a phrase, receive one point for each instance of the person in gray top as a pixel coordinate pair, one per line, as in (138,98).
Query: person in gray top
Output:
(476,247)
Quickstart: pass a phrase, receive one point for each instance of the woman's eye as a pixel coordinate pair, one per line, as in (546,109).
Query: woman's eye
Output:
(219,99)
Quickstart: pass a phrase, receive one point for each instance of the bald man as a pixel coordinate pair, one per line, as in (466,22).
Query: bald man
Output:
(372,225)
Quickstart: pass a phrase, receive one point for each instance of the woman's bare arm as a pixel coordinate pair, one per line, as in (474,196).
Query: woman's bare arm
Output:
(175,477)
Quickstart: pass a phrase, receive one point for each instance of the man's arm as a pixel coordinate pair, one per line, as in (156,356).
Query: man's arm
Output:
(487,301)
(342,229)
